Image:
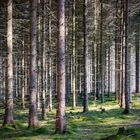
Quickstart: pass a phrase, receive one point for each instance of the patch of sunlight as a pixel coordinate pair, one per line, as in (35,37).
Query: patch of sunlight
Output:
(116,121)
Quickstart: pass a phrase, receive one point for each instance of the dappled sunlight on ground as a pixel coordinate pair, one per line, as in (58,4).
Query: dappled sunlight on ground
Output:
(95,124)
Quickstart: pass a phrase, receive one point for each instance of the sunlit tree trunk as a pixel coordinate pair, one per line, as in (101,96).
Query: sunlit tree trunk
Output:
(60,113)
(33,114)
(109,65)
(22,77)
(95,49)
(73,57)
(8,118)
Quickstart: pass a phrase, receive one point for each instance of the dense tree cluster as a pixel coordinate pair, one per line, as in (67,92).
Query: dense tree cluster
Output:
(60,51)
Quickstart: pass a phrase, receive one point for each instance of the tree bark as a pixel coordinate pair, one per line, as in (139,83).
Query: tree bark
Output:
(127,91)
(73,57)
(60,113)
(43,65)
(137,59)
(85,99)
(33,114)
(8,118)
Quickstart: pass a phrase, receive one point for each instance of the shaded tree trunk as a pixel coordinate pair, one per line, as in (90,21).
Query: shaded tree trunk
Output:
(127,91)
(116,54)
(33,114)
(137,59)
(85,99)
(49,58)
(43,65)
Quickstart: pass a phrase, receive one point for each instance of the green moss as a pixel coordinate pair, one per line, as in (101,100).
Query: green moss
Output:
(85,126)
(42,130)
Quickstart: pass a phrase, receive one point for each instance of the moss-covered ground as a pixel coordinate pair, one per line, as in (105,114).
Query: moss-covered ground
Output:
(101,122)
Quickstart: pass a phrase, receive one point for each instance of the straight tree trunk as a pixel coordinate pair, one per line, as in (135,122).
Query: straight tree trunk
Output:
(60,112)
(73,57)
(38,51)
(101,55)
(137,59)
(22,77)
(109,47)
(127,91)
(116,54)
(33,114)
(43,68)
(49,58)
(8,118)
(85,99)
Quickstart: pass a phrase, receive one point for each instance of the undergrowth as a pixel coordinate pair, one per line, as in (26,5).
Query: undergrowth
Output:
(95,124)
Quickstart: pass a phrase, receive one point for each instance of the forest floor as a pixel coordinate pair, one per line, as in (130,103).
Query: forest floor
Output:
(103,121)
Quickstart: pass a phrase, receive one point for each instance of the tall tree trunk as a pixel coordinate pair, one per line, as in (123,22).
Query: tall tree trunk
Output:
(95,60)
(43,65)
(73,57)
(60,113)
(127,91)
(101,55)
(85,99)
(33,114)
(22,77)
(109,47)
(137,49)
(8,118)
(49,58)
(116,54)
(38,51)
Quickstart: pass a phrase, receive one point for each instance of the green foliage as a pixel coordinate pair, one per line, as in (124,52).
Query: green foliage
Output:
(94,124)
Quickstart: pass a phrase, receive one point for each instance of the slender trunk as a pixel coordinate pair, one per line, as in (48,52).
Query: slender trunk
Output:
(73,57)
(127,91)
(60,112)
(8,118)
(85,99)
(137,59)
(49,57)
(116,54)
(33,114)
(101,55)
(109,67)
(43,68)
(22,77)
(38,52)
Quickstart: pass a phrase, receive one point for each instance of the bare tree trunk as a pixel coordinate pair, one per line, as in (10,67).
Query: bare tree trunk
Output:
(33,114)
(127,91)
(101,55)
(38,52)
(49,58)
(43,68)
(85,99)
(116,54)
(137,59)
(8,118)
(22,77)
(73,57)
(109,47)
(60,113)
